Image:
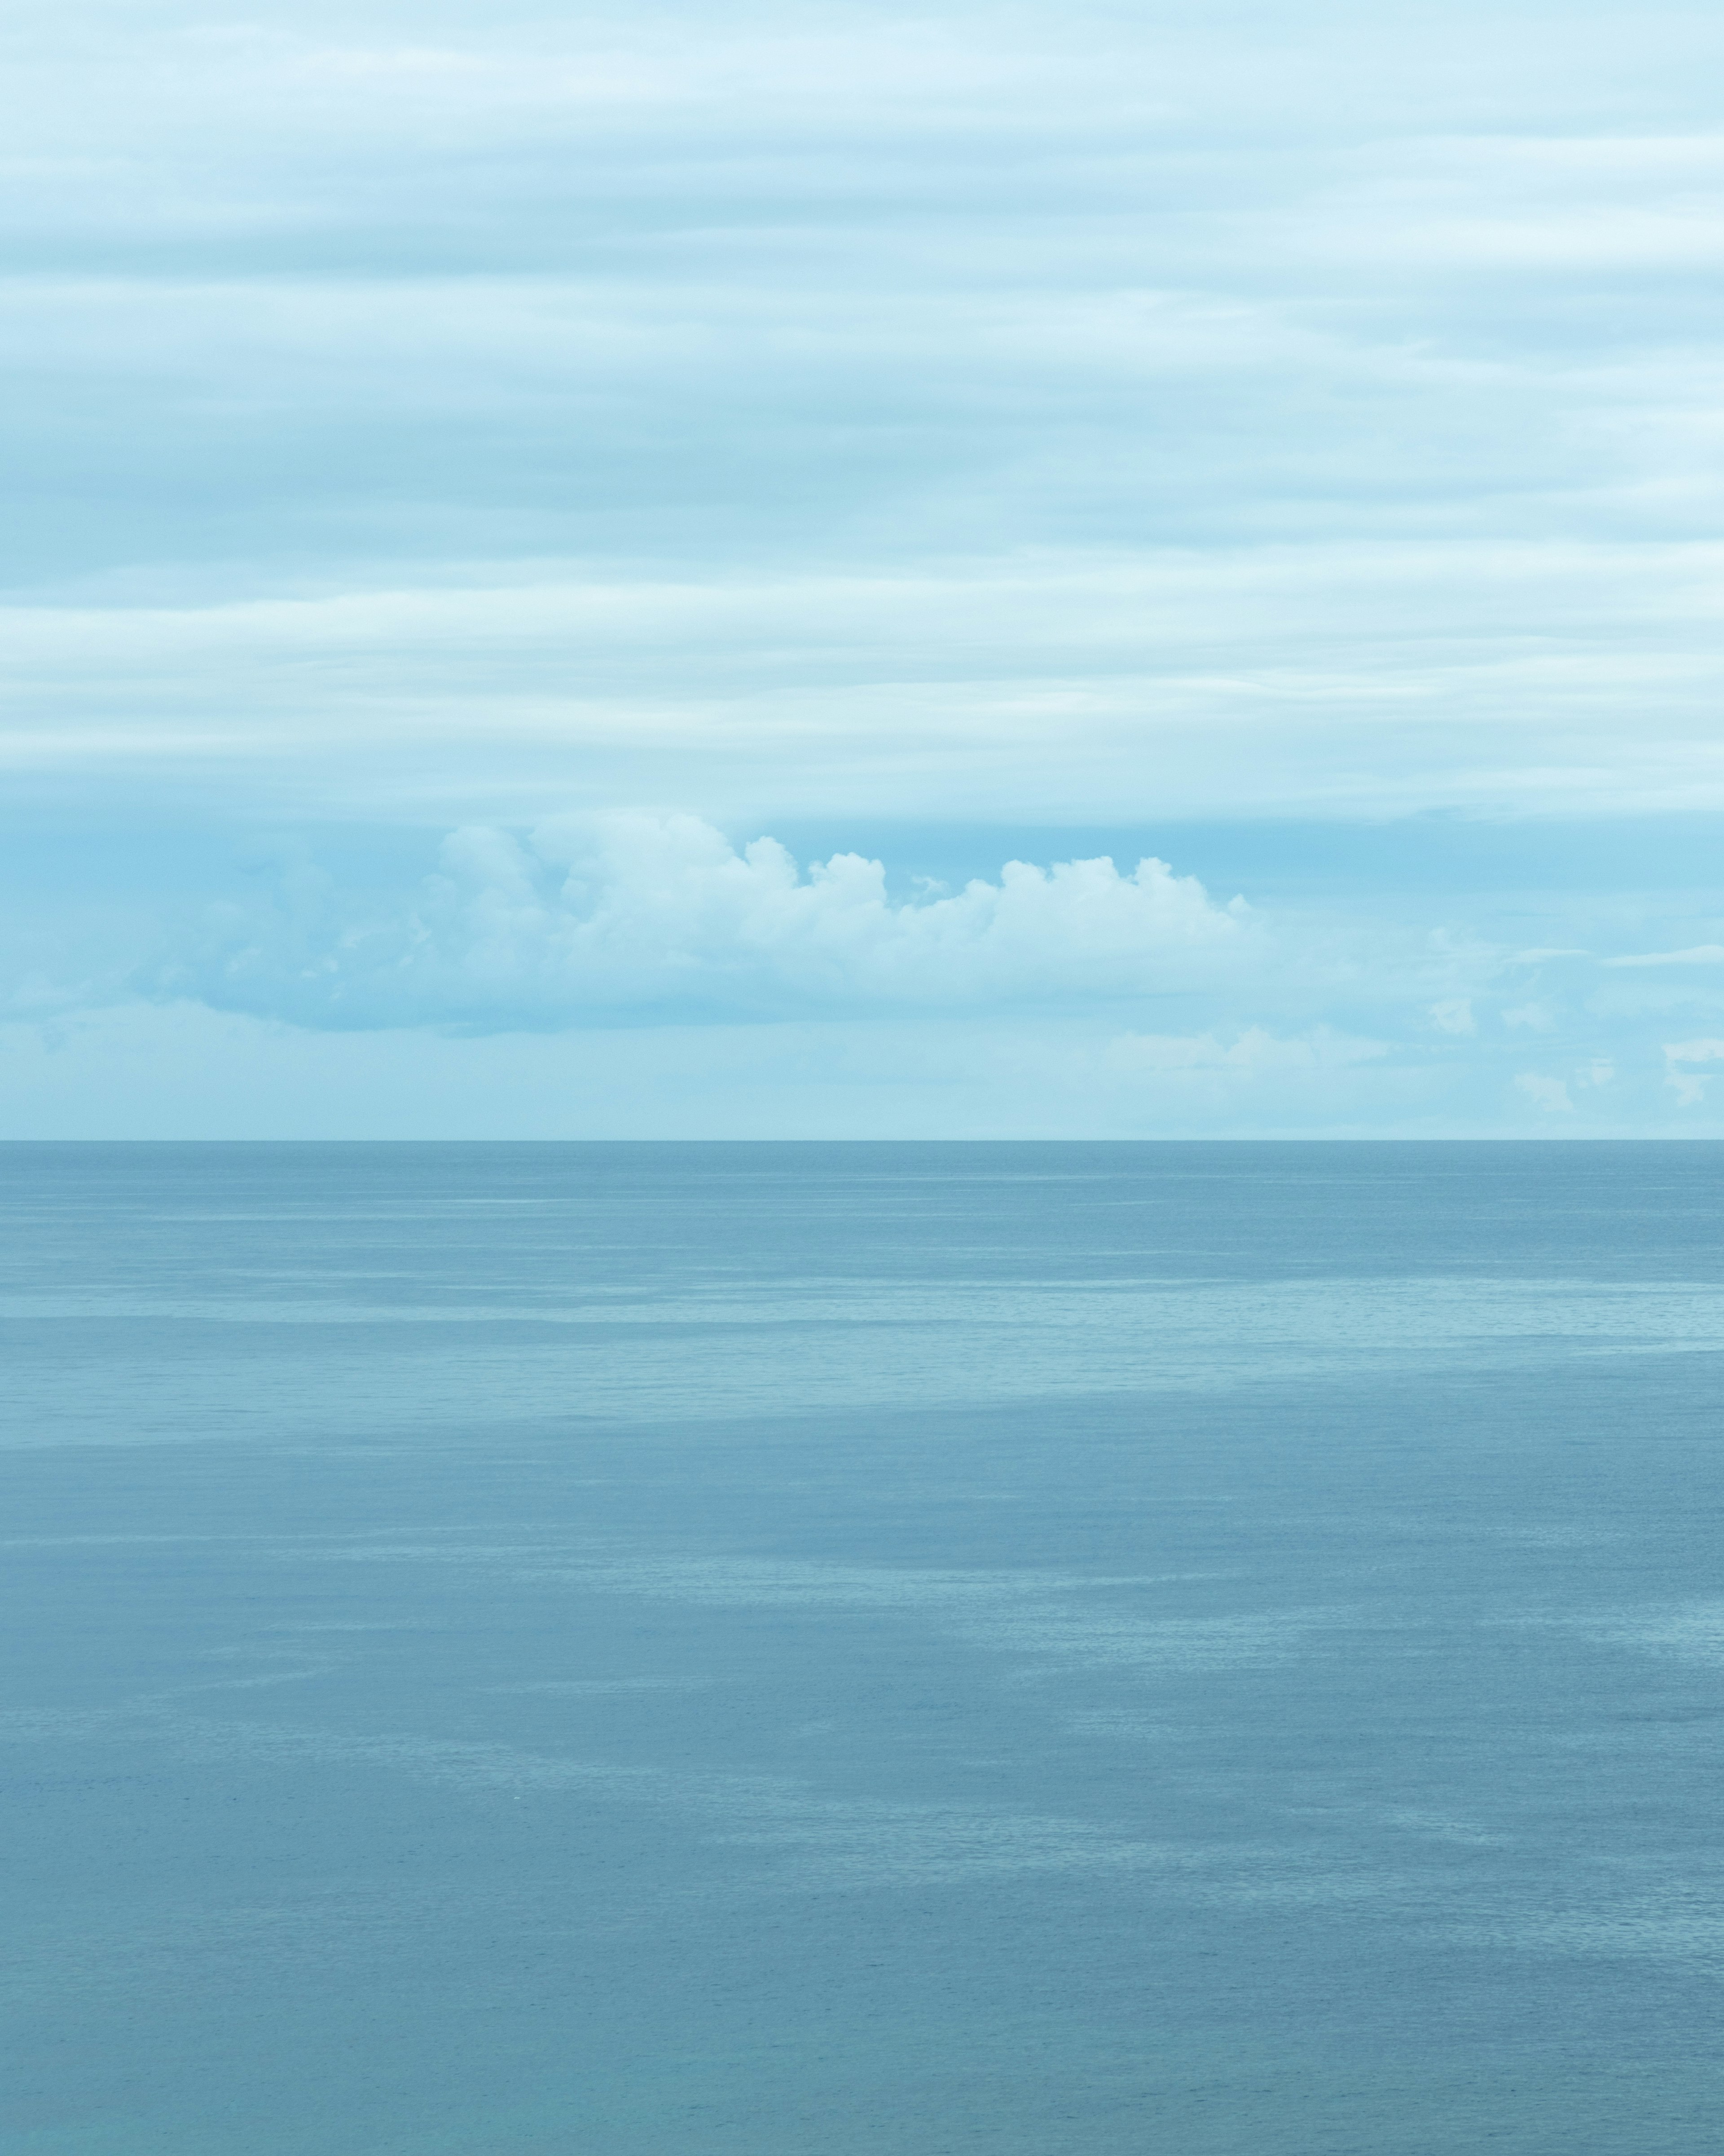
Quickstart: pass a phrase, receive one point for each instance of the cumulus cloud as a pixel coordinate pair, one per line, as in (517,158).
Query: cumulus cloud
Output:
(617,918)
(1551,1094)
(1680,1057)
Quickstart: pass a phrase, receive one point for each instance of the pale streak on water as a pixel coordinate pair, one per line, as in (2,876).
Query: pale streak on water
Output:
(821,1651)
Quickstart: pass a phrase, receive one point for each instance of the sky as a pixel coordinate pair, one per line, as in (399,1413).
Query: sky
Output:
(800,571)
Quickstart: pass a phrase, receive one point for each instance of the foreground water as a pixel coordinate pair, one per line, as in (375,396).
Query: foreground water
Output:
(1197,1651)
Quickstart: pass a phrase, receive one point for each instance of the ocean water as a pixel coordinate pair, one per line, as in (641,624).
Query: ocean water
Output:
(862,1651)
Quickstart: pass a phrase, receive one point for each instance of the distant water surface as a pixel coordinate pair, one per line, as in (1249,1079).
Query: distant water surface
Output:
(862,1651)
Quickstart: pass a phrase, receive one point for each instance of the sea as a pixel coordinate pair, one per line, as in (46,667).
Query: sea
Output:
(862,1650)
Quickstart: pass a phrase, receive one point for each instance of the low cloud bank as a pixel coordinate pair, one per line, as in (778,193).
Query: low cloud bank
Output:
(624,918)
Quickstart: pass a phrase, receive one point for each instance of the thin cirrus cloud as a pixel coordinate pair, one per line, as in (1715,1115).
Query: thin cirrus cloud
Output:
(1272,679)
(1701,954)
(942,412)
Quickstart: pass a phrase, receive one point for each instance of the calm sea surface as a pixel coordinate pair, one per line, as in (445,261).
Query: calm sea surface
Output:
(863,1651)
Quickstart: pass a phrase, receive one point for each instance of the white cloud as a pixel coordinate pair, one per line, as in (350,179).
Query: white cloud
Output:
(1700,954)
(1680,1057)
(601,919)
(1697,956)
(1551,1094)
(1454,1014)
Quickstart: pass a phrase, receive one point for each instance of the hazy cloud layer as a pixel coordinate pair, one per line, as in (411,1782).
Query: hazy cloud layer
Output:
(949,412)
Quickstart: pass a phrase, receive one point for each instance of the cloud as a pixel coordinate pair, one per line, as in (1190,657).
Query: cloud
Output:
(621,918)
(1701,954)
(1068,682)
(942,411)
(1551,1094)
(1680,1057)
(1044,419)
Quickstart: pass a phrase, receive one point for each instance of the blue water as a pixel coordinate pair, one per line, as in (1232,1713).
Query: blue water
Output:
(1197,1650)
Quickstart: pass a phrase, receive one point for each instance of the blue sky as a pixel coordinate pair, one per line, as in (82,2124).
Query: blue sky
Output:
(664,570)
